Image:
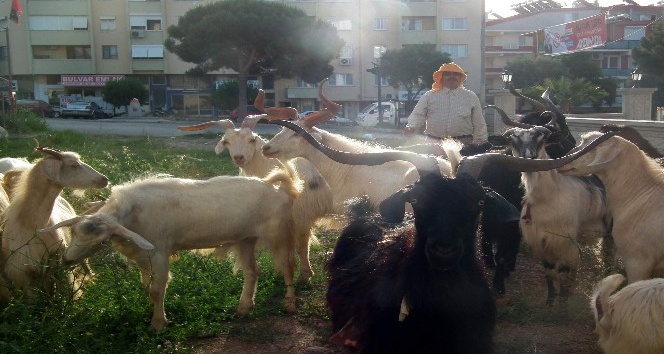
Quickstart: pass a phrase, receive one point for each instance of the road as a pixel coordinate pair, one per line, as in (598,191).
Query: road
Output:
(168,128)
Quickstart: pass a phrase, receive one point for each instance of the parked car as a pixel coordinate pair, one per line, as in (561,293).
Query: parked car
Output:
(251,110)
(81,109)
(39,107)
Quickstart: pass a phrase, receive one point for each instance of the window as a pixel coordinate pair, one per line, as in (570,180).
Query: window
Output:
(109,51)
(634,32)
(79,52)
(380,23)
(346,52)
(3,52)
(147,51)
(383,81)
(455,50)
(145,22)
(411,24)
(611,62)
(418,23)
(378,51)
(455,23)
(57,23)
(341,80)
(341,24)
(107,23)
(304,84)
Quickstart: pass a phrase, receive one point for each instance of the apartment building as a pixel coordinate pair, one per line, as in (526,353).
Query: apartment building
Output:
(71,47)
(510,37)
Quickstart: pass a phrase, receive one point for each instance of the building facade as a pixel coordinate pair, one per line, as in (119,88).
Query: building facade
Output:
(71,47)
(510,37)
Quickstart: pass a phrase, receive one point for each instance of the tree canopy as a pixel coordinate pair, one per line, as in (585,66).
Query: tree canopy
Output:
(252,35)
(226,95)
(120,93)
(412,67)
(568,93)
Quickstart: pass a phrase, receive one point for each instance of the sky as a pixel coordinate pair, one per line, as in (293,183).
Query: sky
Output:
(503,7)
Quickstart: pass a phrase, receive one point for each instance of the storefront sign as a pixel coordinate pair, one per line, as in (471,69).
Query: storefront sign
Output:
(576,36)
(88,80)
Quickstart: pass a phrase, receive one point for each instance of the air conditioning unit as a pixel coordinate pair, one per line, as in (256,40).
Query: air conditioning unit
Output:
(346,61)
(137,33)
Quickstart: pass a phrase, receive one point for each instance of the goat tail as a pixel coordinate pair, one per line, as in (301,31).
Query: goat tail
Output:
(600,299)
(283,179)
(452,149)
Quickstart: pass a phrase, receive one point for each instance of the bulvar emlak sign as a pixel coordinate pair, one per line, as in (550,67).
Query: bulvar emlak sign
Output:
(88,80)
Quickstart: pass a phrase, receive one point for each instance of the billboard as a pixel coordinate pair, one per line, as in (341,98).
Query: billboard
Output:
(575,36)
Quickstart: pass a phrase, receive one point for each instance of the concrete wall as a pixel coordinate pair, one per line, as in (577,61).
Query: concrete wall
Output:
(651,130)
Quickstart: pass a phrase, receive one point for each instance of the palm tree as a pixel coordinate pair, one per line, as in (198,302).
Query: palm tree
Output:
(568,93)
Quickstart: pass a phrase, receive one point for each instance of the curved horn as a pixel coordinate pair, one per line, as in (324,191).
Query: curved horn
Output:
(64,223)
(506,120)
(424,164)
(48,151)
(550,104)
(288,113)
(329,105)
(259,101)
(537,105)
(473,165)
(224,124)
(316,118)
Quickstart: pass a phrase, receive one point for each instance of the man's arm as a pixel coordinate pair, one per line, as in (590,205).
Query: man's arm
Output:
(480,134)
(418,116)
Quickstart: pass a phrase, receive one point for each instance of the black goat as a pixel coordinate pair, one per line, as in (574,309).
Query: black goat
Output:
(418,288)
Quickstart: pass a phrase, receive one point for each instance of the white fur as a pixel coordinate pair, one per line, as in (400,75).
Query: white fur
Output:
(634,186)
(149,220)
(629,321)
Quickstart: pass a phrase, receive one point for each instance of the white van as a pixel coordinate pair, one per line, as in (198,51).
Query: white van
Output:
(368,117)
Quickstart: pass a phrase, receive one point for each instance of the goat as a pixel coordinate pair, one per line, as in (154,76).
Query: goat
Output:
(629,321)
(420,288)
(315,199)
(144,220)
(559,212)
(346,182)
(35,203)
(631,134)
(635,195)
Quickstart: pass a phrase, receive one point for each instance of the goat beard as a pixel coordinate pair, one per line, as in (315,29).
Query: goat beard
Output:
(444,259)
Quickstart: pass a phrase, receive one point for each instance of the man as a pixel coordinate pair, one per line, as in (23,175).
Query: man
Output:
(449,109)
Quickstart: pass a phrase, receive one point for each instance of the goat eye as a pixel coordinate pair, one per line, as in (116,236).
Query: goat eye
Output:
(224,143)
(252,140)
(480,203)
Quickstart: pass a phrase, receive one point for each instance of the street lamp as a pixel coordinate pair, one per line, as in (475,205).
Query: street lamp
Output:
(636,77)
(506,76)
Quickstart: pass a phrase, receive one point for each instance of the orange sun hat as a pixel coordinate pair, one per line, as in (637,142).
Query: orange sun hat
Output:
(438,75)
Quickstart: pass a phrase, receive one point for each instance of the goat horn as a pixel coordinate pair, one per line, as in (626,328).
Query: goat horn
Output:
(288,113)
(251,121)
(316,118)
(329,105)
(549,103)
(48,151)
(537,105)
(259,101)
(68,222)
(506,120)
(224,123)
(424,164)
(473,165)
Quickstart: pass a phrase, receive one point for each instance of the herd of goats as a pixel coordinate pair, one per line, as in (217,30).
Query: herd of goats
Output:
(405,275)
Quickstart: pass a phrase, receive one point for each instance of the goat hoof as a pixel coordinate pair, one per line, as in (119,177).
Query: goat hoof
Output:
(158,324)
(290,305)
(243,310)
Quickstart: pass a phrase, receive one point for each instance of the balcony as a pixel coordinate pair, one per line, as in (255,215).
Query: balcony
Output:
(156,64)
(301,92)
(62,66)
(508,49)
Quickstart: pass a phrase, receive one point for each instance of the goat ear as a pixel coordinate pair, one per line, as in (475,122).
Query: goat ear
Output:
(51,168)
(496,205)
(134,237)
(604,154)
(393,208)
(64,223)
(219,148)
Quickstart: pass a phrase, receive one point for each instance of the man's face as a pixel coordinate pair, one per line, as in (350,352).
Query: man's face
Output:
(452,80)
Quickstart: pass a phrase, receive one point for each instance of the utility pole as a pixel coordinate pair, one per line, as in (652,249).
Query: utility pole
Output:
(376,71)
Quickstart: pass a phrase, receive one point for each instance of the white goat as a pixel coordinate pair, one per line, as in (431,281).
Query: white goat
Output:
(346,181)
(559,212)
(315,199)
(8,163)
(634,186)
(629,321)
(149,220)
(27,256)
